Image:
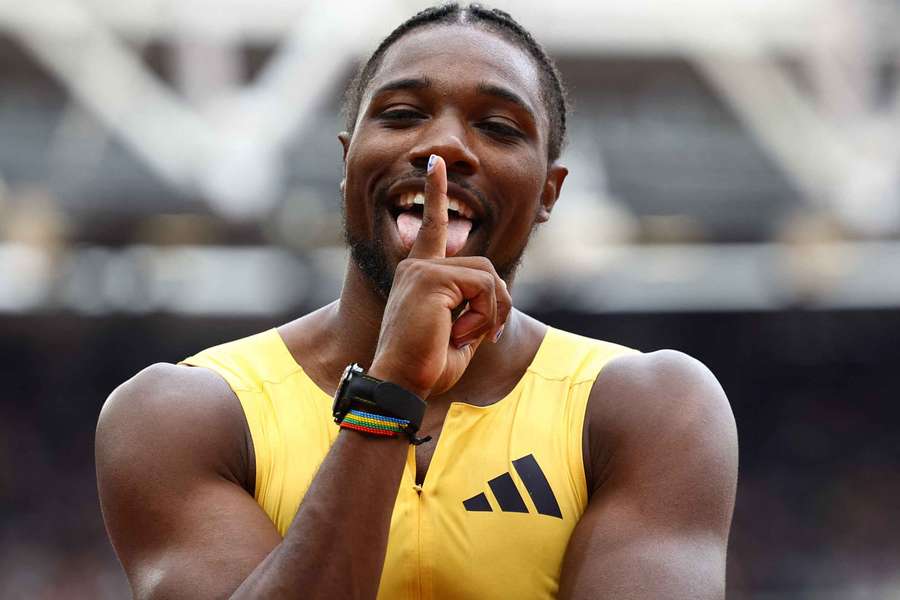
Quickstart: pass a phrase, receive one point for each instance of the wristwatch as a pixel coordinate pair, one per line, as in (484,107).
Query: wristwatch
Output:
(357,390)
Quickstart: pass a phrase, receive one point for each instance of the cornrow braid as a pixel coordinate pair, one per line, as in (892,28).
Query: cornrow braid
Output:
(553,92)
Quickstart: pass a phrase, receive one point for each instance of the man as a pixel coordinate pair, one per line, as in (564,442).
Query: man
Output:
(552,465)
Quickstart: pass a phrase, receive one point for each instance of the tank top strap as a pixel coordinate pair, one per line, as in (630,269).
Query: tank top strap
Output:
(248,363)
(578,359)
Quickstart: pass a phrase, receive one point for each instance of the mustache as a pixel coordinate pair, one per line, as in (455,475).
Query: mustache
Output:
(381,191)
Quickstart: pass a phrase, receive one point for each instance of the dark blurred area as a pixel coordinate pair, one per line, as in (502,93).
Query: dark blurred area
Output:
(169,180)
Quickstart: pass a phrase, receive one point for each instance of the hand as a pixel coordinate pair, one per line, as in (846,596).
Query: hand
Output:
(420,346)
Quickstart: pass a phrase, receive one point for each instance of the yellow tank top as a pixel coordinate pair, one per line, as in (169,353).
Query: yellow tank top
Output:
(504,489)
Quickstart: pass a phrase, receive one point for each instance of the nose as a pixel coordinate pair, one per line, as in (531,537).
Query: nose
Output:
(445,137)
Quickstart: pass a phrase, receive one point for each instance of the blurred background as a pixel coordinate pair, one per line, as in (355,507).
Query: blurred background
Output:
(169,180)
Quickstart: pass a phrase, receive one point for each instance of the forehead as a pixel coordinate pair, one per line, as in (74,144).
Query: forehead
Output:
(461,54)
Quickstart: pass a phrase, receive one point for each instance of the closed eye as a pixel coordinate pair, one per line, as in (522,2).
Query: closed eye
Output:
(401,114)
(501,129)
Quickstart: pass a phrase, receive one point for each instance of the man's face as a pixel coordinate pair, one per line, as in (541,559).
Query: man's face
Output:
(472,98)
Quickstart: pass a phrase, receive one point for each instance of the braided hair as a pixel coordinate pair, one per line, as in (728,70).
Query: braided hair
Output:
(552,90)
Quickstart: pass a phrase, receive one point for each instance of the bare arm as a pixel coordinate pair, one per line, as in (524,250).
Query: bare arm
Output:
(663,448)
(169,466)
(172,454)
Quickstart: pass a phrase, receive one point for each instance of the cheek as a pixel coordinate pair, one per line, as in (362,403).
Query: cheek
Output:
(357,212)
(356,170)
(358,173)
(370,157)
(522,187)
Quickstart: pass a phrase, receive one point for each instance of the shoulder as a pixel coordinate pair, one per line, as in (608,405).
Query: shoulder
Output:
(186,417)
(169,392)
(665,384)
(659,374)
(666,402)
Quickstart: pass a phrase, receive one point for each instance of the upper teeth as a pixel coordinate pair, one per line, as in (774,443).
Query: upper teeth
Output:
(408,199)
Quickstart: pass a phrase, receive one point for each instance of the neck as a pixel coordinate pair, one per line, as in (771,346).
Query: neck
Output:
(358,315)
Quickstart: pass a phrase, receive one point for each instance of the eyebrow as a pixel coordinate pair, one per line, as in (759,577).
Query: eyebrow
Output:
(507,95)
(485,89)
(410,83)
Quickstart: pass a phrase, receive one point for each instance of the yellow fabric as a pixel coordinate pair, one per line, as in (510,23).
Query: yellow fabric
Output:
(437,548)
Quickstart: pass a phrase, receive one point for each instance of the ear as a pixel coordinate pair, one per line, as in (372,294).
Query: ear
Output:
(556,175)
(344,139)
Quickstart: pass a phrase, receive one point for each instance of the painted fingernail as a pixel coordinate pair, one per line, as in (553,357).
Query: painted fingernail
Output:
(499,333)
(464,345)
(432,160)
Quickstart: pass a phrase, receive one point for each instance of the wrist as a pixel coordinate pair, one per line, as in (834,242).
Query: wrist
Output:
(380,370)
(377,406)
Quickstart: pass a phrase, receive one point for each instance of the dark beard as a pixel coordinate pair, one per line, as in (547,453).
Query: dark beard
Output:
(370,258)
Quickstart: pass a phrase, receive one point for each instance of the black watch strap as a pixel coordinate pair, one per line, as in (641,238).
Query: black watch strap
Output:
(389,397)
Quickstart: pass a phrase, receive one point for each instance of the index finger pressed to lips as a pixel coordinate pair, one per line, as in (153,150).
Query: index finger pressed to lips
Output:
(431,241)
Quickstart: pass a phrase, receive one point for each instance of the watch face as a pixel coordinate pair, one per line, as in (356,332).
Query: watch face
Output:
(341,403)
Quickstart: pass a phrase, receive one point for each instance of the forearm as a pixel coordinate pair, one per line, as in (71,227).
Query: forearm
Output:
(336,545)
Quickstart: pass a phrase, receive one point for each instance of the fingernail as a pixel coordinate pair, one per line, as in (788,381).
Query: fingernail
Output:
(499,333)
(431,162)
(465,345)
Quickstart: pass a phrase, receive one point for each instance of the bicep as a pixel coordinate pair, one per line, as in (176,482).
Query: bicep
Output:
(181,524)
(658,525)
(616,553)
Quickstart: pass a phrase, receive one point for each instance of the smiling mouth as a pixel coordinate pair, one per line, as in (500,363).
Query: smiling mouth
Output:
(407,212)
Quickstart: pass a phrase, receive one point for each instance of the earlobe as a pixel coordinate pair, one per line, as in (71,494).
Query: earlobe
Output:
(556,175)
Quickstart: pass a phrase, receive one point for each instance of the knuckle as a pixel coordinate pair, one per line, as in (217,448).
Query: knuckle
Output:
(419,268)
(484,263)
(403,266)
(411,268)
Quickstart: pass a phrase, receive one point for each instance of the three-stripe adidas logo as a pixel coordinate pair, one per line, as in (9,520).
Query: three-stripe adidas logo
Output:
(508,496)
